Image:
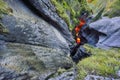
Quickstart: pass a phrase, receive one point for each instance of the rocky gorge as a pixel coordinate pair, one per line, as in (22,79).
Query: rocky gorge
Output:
(33,46)
(35,40)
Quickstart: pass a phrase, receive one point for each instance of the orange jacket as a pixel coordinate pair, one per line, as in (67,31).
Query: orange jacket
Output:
(82,23)
(77,29)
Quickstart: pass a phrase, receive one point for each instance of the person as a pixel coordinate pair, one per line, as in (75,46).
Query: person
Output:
(82,22)
(77,33)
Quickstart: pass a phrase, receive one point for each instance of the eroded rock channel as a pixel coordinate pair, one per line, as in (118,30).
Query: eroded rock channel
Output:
(39,42)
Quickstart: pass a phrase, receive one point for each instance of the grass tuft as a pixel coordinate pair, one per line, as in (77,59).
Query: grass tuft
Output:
(102,62)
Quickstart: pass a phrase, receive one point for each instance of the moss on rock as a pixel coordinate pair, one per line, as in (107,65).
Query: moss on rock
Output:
(69,10)
(3,29)
(102,62)
(4,9)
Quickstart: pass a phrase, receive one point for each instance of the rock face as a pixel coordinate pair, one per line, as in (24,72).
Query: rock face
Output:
(110,28)
(22,31)
(104,33)
(32,60)
(26,27)
(7,74)
(80,54)
(35,47)
(48,11)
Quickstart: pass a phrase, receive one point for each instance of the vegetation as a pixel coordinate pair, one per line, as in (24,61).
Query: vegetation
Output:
(3,29)
(102,62)
(70,10)
(112,7)
(4,9)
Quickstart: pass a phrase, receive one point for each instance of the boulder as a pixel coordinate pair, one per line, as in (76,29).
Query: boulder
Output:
(109,30)
(104,33)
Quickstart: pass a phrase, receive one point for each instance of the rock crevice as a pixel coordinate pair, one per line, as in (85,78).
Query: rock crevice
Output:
(38,42)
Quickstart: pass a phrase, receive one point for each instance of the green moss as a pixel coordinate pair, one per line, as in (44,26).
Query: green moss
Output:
(3,29)
(69,10)
(4,9)
(61,11)
(102,62)
(35,63)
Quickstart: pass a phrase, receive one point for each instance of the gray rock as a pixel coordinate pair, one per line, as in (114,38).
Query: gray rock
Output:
(35,47)
(7,74)
(94,77)
(39,33)
(25,26)
(47,57)
(104,33)
(36,61)
(80,54)
(118,73)
(48,11)
(111,30)
(68,75)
